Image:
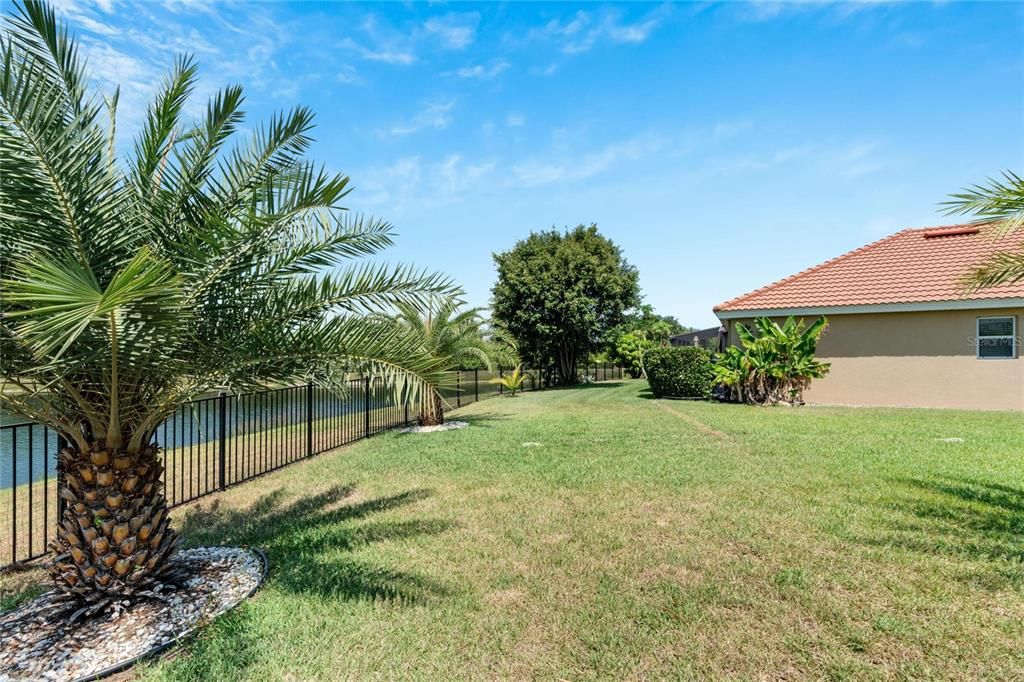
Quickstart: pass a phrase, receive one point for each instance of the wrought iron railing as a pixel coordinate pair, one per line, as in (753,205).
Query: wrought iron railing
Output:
(214,443)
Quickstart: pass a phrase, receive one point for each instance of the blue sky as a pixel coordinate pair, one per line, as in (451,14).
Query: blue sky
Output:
(721,145)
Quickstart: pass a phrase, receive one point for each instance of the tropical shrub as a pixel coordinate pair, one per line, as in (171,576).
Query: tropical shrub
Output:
(511,382)
(774,363)
(647,324)
(630,349)
(679,371)
(132,286)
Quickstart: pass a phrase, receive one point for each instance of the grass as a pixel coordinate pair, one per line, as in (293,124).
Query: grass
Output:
(632,538)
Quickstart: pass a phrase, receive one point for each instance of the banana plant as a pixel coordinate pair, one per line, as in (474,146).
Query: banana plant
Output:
(774,363)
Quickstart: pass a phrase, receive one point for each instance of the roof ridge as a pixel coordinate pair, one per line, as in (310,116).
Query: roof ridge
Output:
(819,266)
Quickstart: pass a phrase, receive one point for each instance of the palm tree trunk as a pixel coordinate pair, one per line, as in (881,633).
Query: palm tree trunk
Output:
(114,538)
(431,410)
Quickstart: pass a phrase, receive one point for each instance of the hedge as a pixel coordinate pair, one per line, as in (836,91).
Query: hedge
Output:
(679,372)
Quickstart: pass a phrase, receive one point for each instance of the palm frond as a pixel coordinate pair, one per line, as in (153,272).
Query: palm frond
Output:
(1000,202)
(1005,267)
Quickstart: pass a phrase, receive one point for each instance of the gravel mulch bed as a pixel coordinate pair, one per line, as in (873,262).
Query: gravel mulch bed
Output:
(36,646)
(447,426)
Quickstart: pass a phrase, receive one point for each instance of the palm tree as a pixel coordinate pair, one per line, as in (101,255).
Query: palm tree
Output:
(1000,203)
(130,288)
(453,337)
(511,382)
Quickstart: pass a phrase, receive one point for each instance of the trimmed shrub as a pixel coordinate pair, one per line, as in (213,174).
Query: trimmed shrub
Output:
(679,372)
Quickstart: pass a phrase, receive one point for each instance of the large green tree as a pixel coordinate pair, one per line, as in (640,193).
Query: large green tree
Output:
(130,287)
(559,293)
(1001,204)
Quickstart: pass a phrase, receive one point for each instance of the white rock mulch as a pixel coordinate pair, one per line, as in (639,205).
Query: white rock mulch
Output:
(35,646)
(447,426)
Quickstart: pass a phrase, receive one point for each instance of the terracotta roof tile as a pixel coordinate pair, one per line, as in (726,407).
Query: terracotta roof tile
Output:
(911,266)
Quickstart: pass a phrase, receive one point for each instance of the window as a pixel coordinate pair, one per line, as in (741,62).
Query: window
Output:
(997,337)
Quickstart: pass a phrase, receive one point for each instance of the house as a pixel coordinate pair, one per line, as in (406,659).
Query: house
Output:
(706,338)
(902,331)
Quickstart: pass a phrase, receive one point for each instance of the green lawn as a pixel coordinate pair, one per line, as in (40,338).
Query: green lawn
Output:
(595,533)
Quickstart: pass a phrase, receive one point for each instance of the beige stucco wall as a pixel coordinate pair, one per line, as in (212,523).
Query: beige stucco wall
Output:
(915,359)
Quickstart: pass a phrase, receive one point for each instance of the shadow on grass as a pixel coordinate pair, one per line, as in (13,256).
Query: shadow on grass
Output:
(968,518)
(610,383)
(647,394)
(306,541)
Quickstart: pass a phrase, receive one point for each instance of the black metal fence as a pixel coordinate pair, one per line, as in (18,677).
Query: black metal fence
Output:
(212,443)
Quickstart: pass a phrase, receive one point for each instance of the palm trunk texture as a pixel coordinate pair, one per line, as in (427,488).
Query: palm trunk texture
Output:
(114,538)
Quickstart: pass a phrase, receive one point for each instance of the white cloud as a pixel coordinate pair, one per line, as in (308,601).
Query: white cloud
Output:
(173,40)
(850,160)
(586,29)
(348,74)
(83,18)
(459,177)
(768,10)
(515,119)
(856,159)
(386,55)
(456,31)
(435,114)
(758,161)
(481,72)
(533,172)
(384,186)
(412,181)
(190,6)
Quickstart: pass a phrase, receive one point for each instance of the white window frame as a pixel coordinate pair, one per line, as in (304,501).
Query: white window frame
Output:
(1012,336)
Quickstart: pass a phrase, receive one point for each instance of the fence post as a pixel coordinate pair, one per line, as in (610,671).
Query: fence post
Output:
(501,373)
(309,419)
(366,393)
(222,459)
(476,384)
(407,411)
(458,388)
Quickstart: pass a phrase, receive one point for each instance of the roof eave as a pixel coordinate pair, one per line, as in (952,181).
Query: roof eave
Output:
(912,307)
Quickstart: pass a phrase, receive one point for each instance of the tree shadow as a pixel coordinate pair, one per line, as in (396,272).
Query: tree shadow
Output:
(962,517)
(648,394)
(303,540)
(610,383)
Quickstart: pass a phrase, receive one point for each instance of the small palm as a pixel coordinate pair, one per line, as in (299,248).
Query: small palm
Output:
(453,337)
